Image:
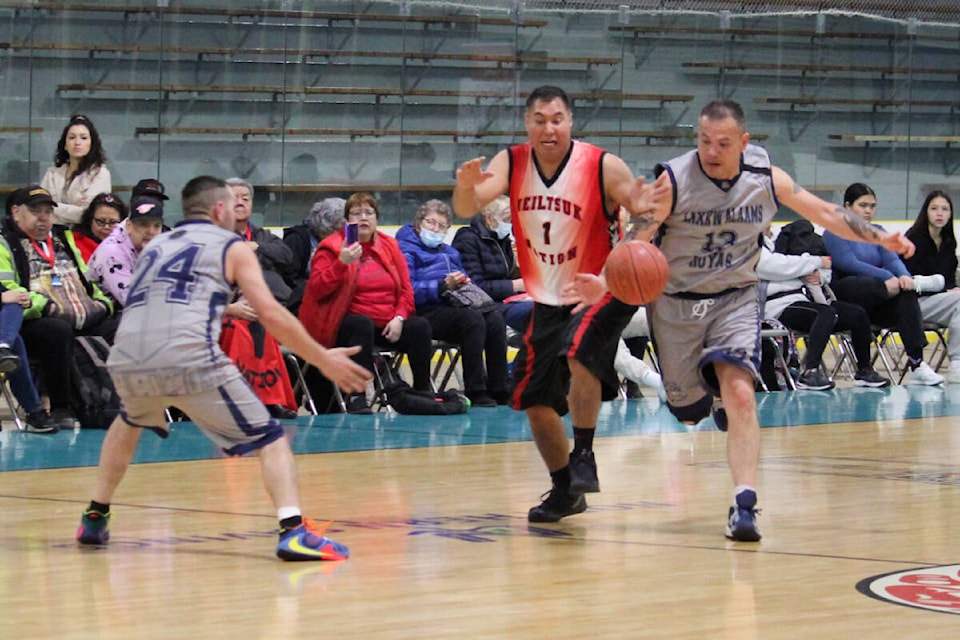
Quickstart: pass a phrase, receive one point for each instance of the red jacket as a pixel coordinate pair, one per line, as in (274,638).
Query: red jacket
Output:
(330,288)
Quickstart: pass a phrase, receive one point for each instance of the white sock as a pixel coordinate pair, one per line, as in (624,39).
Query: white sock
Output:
(287,512)
(739,488)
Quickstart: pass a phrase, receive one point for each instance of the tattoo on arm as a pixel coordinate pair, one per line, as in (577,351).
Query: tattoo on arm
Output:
(860,227)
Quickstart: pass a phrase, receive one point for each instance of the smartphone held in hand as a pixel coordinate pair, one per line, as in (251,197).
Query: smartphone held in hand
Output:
(352,233)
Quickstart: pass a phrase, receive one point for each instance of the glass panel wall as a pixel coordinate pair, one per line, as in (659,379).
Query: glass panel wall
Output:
(314,99)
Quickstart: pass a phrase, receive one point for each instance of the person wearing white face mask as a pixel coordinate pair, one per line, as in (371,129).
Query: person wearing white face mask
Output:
(435,268)
(486,250)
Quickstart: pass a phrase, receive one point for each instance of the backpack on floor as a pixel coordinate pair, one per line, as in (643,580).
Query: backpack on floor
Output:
(408,400)
(93,398)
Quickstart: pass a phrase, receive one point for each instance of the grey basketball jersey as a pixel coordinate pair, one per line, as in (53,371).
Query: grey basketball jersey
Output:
(712,237)
(170,330)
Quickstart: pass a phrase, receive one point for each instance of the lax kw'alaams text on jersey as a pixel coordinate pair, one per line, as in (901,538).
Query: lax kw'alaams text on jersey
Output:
(712,237)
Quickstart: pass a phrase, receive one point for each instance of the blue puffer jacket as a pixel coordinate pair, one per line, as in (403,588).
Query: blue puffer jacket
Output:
(428,267)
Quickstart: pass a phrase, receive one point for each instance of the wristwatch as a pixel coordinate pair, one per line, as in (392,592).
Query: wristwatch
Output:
(400,318)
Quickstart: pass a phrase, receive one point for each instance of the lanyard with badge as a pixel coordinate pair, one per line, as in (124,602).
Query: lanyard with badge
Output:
(51,258)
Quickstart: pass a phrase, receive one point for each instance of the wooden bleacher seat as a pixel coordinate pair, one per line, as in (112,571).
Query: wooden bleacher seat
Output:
(779,68)
(876,103)
(269,13)
(894,139)
(408,56)
(612,96)
(17,129)
(246,132)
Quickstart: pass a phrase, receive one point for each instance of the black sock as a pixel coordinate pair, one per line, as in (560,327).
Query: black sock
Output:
(292,522)
(99,507)
(583,439)
(561,478)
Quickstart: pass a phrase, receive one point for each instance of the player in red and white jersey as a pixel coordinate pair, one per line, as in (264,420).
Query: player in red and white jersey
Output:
(564,198)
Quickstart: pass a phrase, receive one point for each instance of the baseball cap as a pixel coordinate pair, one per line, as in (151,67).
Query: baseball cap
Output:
(33,195)
(150,187)
(145,207)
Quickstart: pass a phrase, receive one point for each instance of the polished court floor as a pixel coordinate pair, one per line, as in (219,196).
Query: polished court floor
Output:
(855,484)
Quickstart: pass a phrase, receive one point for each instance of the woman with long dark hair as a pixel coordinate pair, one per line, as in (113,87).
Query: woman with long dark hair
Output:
(936,256)
(79,170)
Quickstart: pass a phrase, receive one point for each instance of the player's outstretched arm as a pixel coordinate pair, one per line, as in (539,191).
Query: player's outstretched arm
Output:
(243,268)
(835,218)
(477,187)
(648,204)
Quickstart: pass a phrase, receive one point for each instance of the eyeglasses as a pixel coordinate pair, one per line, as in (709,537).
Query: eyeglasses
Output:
(435,223)
(362,213)
(102,222)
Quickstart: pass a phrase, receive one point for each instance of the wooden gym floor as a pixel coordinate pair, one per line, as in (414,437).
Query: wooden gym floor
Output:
(855,484)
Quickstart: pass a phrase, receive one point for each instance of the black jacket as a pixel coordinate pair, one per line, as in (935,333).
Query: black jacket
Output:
(928,260)
(487,259)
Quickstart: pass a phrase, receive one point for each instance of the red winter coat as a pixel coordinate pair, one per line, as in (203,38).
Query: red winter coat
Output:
(330,288)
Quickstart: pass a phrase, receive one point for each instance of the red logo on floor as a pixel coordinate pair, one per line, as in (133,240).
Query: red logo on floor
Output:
(931,588)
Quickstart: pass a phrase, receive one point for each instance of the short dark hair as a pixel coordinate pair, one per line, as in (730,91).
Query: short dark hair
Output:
(856,191)
(723,108)
(548,93)
(199,197)
(97,156)
(361,197)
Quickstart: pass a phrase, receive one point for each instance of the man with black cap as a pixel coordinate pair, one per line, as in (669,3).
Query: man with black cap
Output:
(149,187)
(41,258)
(111,265)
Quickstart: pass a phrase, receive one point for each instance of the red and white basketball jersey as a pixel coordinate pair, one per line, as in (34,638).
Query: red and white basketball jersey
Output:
(560,225)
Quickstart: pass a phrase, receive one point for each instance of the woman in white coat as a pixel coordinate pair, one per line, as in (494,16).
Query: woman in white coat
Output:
(79,173)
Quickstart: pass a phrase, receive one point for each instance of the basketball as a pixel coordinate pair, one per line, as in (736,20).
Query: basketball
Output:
(636,272)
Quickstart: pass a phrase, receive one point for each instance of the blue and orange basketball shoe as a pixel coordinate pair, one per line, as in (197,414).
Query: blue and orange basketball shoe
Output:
(307,542)
(93,528)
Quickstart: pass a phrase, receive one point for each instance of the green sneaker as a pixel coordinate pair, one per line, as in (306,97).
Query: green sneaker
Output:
(93,528)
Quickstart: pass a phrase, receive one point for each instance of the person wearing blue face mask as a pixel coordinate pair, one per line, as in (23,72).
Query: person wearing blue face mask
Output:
(435,267)
(486,249)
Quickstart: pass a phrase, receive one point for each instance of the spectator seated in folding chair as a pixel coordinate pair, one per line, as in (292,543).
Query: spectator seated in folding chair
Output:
(934,269)
(437,275)
(359,293)
(796,294)
(877,279)
(15,373)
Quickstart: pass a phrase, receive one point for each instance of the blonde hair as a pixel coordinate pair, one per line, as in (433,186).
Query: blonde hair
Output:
(497,206)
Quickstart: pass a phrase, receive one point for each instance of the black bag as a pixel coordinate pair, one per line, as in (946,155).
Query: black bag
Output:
(407,400)
(93,398)
(799,237)
(470,295)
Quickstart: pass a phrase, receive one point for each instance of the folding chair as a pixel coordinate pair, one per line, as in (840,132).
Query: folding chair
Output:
(772,335)
(299,369)
(940,343)
(448,352)
(11,402)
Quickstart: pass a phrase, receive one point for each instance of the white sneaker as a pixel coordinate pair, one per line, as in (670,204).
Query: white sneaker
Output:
(953,373)
(923,375)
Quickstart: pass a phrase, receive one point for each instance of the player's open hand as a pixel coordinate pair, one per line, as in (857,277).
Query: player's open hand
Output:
(344,372)
(898,243)
(585,290)
(471,173)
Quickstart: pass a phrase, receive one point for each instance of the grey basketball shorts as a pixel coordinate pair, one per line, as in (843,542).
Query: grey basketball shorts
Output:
(691,334)
(230,414)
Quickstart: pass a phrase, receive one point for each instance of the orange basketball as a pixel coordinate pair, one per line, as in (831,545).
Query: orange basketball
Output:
(637,272)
